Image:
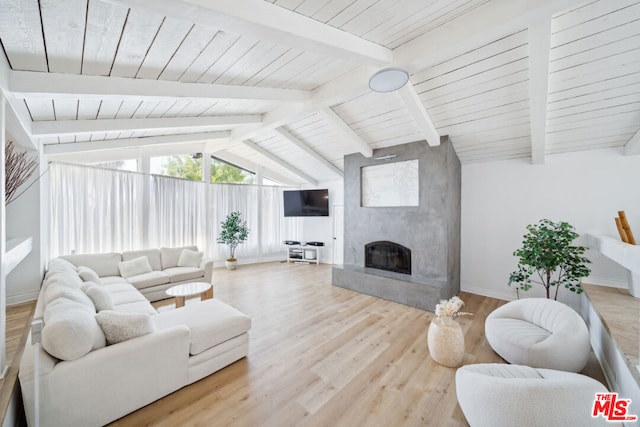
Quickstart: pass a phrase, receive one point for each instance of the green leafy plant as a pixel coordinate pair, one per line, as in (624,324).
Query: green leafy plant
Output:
(548,256)
(234,232)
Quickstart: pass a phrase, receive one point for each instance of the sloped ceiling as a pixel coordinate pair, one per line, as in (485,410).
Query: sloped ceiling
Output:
(284,84)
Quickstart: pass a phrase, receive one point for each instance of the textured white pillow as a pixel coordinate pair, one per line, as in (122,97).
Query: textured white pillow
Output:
(70,330)
(189,258)
(134,267)
(99,295)
(89,275)
(120,326)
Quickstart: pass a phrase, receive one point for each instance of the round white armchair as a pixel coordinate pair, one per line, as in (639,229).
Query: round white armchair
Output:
(500,395)
(540,333)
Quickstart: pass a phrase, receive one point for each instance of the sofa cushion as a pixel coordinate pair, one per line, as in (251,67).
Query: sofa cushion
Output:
(189,258)
(89,275)
(210,322)
(104,264)
(118,326)
(137,307)
(153,255)
(70,330)
(170,256)
(179,274)
(134,267)
(59,264)
(125,297)
(68,291)
(63,277)
(147,280)
(119,287)
(99,295)
(110,280)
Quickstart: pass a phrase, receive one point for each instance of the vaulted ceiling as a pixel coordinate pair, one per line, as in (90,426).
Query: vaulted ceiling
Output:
(284,84)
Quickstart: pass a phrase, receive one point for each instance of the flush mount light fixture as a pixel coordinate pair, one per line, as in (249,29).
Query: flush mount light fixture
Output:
(388,80)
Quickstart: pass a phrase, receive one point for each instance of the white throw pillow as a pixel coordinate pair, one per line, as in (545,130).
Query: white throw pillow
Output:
(189,258)
(134,267)
(89,275)
(70,330)
(99,295)
(119,326)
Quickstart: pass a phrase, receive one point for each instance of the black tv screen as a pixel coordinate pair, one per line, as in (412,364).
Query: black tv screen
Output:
(306,203)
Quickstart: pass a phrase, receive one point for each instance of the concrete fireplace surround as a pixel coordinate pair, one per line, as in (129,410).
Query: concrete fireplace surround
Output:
(431,230)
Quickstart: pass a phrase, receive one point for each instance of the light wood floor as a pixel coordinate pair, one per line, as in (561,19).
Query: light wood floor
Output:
(18,323)
(323,356)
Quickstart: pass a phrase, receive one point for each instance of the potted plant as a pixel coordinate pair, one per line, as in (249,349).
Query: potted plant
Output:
(548,256)
(234,231)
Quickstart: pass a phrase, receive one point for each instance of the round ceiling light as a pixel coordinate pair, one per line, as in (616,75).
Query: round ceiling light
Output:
(388,80)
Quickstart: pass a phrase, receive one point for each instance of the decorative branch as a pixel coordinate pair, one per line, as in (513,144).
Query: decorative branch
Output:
(18,168)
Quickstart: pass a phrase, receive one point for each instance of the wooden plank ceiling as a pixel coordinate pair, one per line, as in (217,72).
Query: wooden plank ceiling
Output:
(283,84)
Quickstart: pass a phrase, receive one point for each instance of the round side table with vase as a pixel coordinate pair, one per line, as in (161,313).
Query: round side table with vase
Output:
(445,338)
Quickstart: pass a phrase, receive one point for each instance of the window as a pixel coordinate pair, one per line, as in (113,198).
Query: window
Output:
(189,166)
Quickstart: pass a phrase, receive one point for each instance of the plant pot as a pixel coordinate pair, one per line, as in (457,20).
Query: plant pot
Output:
(231,265)
(446,342)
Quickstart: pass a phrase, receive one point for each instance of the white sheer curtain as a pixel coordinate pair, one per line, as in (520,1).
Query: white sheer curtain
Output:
(100,210)
(177,213)
(93,210)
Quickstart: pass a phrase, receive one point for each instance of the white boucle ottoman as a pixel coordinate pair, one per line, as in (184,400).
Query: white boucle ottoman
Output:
(540,333)
(499,395)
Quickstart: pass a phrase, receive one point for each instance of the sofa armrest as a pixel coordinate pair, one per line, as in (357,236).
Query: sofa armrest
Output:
(108,383)
(207,265)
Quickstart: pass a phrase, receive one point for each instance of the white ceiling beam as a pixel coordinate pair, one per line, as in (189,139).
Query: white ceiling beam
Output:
(83,127)
(269,155)
(286,135)
(262,20)
(420,116)
(346,132)
(29,84)
(485,24)
(632,147)
(539,47)
(18,120)
(151,141)
(335,92)
(248,165)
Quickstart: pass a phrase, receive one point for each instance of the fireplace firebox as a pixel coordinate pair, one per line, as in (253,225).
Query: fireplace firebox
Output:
(389,256)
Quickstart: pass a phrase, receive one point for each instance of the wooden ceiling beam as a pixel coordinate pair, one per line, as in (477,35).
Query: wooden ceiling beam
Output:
(269,155)
(29,84)
(262,20)
(286,135)
(632,147)
(539,48)
(346,132)
(151,141)
(84,127)
(420,116)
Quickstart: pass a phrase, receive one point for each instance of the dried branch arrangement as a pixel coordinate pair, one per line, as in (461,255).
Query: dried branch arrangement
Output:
(18,168)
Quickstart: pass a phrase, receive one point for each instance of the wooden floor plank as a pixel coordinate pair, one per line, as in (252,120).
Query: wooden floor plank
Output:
(323,356)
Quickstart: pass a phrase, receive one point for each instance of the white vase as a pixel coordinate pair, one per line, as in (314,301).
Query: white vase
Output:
(231,265)
(446,342)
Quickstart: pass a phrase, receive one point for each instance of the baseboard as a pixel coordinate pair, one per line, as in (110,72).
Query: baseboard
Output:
(23,297)
(605,281)
(492,293)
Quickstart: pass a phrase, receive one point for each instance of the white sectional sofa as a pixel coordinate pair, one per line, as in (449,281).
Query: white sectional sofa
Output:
(95,367)
(164,265)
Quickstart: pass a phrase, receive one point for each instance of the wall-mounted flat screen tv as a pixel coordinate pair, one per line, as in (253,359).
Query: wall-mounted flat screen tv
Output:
(306,203)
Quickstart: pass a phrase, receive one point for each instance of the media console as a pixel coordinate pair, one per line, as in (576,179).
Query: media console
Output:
(303,253)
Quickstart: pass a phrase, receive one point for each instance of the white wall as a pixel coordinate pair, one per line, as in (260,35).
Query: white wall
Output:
(23,220)
(499,199)
(320,229)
